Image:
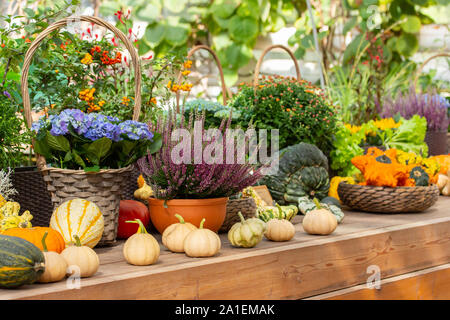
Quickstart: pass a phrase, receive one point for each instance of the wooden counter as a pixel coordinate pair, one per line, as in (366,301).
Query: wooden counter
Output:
(307,266)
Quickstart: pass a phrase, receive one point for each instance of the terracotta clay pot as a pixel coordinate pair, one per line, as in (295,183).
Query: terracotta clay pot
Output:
(192,210)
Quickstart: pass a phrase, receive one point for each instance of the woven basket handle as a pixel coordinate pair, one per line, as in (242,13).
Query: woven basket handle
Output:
(61,23)
(420,69)
(260,60)
(225,91)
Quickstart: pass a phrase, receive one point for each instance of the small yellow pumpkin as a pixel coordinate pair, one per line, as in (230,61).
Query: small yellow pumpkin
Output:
(55,265)
(319,221)
(141,249)
(279,230)
(202,242)
(82,257)
(174,235)
(334,183)
(144,191)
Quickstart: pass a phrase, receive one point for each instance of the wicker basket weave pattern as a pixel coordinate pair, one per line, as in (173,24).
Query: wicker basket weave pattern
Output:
(246,206)
(103,188)
(386,199)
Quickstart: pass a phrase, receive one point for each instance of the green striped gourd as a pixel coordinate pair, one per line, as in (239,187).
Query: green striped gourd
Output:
(21,262)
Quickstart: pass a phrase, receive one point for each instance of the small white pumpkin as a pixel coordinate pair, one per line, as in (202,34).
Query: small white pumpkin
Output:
(174,235)
(55,265)
(279,230)
(141,249)
(202,242)
(81,258)
(320,221)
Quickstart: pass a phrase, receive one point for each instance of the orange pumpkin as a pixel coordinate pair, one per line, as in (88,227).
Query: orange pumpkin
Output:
(55,242)
(444,162)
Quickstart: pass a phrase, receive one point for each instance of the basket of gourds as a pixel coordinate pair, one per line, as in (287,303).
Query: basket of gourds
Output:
(390,186)
(103,186)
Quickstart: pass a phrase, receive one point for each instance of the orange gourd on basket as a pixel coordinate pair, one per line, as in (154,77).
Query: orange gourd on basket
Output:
(55,242)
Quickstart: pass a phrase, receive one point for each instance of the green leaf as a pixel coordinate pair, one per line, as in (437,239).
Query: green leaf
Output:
(92,169)
(100,146)
(42,148)
(299,53)
(235,56)
(68,157)
(78,159)
(350,24)
(176,6)
(59,143)
(407,44)
(243,29)
(154,34)
(29,12)
(356,46)
(224,8)
(411,25)
(155,144)
(150,12)
(231,76)
(249,8)
(177,35)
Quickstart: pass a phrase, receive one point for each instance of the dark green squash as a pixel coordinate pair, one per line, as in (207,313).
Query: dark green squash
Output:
(303,171)
(331,200)
(21,262)
(420,176)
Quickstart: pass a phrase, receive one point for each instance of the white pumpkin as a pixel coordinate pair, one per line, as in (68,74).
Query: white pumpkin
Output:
(202,242)
(81,217)
(174,235)
(83,258)
(141,249)
(55,265)
(320,221)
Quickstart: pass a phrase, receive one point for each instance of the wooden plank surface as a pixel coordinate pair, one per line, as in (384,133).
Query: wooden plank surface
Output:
(303,267)
(428,284)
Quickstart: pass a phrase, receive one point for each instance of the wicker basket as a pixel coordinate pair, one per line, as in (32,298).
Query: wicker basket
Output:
(386,199)
(246,206)
(32,194)
(226,93)
(104,187)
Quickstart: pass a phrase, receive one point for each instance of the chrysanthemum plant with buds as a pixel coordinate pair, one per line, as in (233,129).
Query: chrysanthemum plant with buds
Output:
(211,176)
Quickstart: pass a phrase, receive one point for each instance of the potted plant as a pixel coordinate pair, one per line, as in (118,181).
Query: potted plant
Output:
(297,108)
(429,105)
(185,184)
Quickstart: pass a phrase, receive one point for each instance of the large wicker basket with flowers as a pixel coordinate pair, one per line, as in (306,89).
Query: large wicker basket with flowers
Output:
(103,187)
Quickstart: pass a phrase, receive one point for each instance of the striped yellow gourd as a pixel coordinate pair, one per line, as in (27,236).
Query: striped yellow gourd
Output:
(78,217)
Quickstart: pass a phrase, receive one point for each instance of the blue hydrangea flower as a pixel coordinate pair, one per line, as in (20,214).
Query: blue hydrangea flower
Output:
(92,126)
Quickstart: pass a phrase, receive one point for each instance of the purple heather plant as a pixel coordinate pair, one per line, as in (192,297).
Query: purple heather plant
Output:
(431,106)
(194,179)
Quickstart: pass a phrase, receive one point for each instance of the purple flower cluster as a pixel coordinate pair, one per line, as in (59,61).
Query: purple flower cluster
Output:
(431,106)
(171,180)
(92,126)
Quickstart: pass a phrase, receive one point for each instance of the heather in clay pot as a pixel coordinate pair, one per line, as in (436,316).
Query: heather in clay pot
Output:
(191,175)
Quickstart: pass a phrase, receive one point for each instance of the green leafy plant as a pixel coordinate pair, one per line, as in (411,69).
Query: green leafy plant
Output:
(15,139)
(215,112)
(230,27)
(297,109)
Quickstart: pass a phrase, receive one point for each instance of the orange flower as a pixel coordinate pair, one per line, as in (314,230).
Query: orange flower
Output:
(185,72)
(153,100)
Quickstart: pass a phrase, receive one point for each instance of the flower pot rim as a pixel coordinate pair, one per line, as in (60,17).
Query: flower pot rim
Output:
(187,202)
